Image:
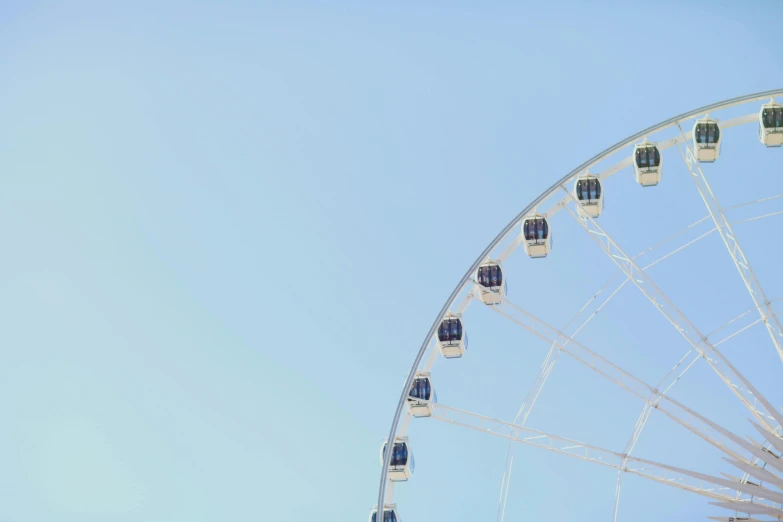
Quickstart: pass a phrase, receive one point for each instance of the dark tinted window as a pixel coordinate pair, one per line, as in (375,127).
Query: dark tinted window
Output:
(399,454)
(443,331)
(421,389)
(594,189)
(588,189)
(489,276)
(538,228)
(772,117)
(455,333)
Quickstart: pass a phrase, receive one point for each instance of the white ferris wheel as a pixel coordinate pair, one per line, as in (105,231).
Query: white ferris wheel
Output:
(751,488)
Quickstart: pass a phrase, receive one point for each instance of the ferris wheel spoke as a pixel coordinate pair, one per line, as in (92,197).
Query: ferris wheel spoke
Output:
(735,250)
(672,378)
(750,507)
(645,413)
(505,482)
(571,347)
(714,487)
(762,200)
(730,322)
(698,222)
(547,368)
(626,279)
(532,396)
(688,360)
(666,384)
(776,213)
(651,403)
(753,400)
(697,424)
(746,327)
(756,471)
(671,253)
(524,412)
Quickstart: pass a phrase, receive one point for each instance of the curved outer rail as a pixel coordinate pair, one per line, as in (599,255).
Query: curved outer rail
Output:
(514,222)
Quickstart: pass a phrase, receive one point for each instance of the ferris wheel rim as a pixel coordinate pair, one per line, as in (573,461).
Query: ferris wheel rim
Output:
(558,185)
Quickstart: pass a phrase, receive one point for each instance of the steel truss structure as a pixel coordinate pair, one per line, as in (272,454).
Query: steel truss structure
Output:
(750,397)
(735,250)
(710,486)
(757,460)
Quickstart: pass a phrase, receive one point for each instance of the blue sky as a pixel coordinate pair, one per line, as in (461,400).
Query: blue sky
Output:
(226,228)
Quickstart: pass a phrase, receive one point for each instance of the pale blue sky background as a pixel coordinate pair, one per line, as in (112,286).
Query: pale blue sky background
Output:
(226,228)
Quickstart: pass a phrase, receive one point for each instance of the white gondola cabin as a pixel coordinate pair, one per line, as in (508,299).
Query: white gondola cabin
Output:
(452,337)
(589,194)
(491,282)
(771,124)
(647,164)
(538,239)
(401,463)
(421,396)
(706,140)
(389,513)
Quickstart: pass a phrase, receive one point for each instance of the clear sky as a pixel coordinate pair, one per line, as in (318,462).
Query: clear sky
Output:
(227,226)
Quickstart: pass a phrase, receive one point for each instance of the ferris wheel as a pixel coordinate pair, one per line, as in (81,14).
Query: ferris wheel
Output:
(754,452)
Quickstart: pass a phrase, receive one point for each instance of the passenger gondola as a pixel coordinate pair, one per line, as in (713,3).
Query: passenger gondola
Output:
(421,396)
(647,164)
(588,192)
(706,140)
(389,513)
(538,238)
(771,124)
(491,282)
(401,463)
(452,338)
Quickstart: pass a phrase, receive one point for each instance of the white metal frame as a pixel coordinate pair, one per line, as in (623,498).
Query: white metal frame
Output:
(699,425)
(680,478)
(735,250)
(665,385)
(750,397)
(762,411)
